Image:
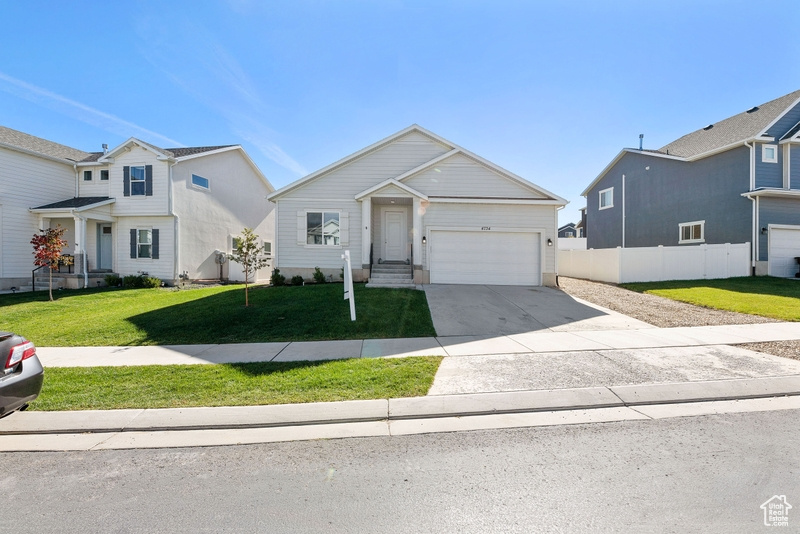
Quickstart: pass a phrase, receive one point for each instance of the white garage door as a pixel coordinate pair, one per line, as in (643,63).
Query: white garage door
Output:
(784,246)
(499,258)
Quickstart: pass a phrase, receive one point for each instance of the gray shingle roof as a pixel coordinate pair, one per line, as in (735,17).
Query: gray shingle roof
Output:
(40,146)
(192,150)
(731,130)
(70,203)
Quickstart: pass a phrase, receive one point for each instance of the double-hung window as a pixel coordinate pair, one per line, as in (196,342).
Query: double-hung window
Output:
(138,178)
(322,228)
(692,232)
(607,198)
(144,243)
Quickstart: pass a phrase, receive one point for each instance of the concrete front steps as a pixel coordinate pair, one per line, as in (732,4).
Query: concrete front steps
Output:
(397,275)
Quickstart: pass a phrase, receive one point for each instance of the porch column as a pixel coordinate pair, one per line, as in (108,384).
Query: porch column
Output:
(366,231)
(417,234)
(80,243)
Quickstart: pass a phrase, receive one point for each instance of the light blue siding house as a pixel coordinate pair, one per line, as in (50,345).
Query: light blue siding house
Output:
(733,181)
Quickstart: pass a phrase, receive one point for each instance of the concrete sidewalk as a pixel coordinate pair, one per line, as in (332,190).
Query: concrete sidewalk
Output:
(526,343)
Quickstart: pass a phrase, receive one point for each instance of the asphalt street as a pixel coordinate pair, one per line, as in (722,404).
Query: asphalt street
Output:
(698,474)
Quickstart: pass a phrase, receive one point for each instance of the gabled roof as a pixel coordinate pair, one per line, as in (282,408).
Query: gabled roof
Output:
(747,125)
(75,203)
(32,144)
(453,149)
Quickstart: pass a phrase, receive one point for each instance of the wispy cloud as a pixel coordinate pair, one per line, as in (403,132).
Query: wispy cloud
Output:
(82,112)
(212,76)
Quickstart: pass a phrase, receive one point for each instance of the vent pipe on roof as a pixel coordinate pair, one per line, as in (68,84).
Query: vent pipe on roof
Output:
(641,137)
(105,148)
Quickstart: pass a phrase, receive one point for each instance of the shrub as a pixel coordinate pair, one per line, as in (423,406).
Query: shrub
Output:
(277,279)
(297,280)
(140,281)
(113,280)
(319,276)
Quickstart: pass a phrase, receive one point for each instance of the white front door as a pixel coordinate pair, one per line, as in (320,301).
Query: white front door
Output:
(104,247)
(394,235)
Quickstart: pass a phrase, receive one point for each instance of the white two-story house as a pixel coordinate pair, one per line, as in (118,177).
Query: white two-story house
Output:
(170,213)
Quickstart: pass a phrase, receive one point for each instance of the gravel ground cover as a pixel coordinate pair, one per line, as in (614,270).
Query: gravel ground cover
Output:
(665,313)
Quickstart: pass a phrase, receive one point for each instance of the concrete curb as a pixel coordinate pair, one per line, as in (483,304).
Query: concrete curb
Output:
(416,408)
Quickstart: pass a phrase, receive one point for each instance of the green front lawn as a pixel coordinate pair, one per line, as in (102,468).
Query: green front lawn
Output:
(778,298)
(95,317)
(245,384)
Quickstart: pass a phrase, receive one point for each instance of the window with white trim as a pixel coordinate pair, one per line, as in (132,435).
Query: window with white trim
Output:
(267,248)
(692,232)
(769,153)
(104,175)
(607,198)
(322,228)
(138,178)
(144,243)
(87,176)
(199,181)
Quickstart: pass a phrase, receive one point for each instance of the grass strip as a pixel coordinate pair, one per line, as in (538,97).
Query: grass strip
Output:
(778,298)
(243,384)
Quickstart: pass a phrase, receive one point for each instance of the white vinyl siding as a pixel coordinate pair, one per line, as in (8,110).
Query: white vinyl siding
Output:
(158,203)
(162,267)
(402,155)
(96,187)
(464,177)
(45,182)
(291,234)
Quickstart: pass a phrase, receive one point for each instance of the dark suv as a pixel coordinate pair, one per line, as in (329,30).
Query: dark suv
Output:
(21,374)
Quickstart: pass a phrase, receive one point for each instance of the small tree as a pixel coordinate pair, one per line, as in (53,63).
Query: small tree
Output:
(47,246)
(246,254)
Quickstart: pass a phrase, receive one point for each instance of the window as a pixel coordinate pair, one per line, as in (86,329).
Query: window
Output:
(144,243)
(267,247)
(607,198)
(322,228)
(104,175)
(199,181)
(692,232)
(769,154)
(87,176)
(236,242)
(138,181)
(569,234)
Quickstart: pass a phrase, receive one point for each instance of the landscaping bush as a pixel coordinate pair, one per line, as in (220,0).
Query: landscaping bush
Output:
(319,276)
(297,280)
(113,280)
(140,281)
(277,279)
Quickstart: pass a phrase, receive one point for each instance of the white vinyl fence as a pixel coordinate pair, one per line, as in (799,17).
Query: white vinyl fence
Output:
(653,264)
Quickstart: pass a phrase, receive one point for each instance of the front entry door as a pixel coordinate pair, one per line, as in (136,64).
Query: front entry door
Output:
(394,235)
(104,247)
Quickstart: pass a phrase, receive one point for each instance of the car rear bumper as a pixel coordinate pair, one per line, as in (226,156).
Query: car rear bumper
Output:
(22,386)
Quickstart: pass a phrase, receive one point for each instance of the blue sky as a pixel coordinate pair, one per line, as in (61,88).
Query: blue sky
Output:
(548,90)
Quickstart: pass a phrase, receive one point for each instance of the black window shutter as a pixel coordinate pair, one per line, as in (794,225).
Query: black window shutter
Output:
(155,243)
(133,242)
(126,181)
(148,181)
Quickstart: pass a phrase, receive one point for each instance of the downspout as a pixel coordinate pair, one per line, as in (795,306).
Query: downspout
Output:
(623,211)
(77,182)
(85,260)
(753,248)
(176,230)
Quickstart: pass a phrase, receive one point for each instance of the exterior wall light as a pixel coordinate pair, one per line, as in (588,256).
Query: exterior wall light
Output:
(549,242)
(424,240)
(763,231)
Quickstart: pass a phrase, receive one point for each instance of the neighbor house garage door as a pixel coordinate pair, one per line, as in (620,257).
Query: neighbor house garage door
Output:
(499,258)
(784,246)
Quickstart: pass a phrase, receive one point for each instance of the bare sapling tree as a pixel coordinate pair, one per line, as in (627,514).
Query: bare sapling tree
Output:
(47,247)
(246,253)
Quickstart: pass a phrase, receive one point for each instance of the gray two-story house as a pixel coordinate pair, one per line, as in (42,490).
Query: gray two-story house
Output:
(733,181)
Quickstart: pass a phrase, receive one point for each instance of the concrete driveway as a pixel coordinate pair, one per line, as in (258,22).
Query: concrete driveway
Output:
(477,310)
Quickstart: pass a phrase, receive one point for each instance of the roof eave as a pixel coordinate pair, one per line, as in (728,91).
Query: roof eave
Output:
(38,154)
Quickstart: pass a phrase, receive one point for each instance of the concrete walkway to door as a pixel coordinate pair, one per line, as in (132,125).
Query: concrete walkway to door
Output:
(478,310)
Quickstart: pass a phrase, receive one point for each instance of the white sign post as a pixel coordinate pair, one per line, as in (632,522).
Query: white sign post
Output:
(348,284)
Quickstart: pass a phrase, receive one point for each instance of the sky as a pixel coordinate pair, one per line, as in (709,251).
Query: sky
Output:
(549,90)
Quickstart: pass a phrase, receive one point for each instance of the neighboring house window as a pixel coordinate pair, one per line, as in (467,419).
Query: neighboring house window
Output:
(692,232)
(104,175)
(322,228)
(607,198)
(267,248)
(144,243)
(87,176)
(235,242)
(137,180)
(769,154)
(570,234)
(201,182)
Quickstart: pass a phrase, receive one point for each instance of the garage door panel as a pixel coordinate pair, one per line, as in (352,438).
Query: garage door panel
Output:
(510,258)
(784,246)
